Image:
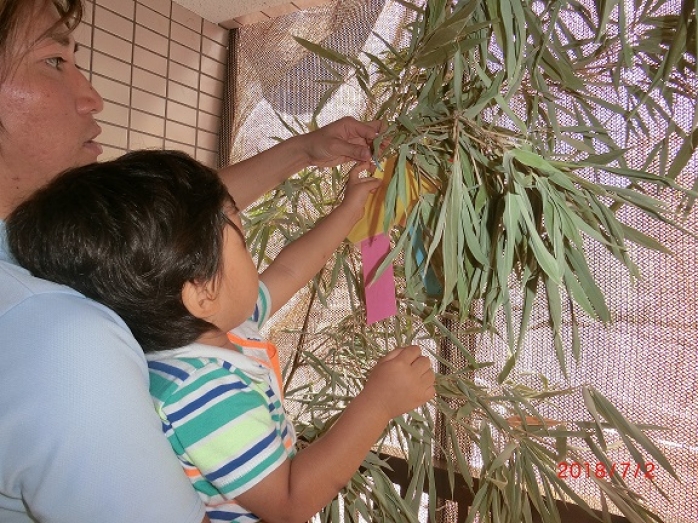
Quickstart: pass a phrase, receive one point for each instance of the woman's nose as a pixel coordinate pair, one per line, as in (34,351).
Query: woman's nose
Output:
(89,100)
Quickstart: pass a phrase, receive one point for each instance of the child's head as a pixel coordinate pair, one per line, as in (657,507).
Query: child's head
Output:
(140,234)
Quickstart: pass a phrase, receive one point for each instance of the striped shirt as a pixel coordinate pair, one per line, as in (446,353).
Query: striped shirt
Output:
(223,415)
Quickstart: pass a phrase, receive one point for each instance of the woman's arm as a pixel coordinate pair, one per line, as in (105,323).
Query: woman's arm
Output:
(401,381)
(338,142)
(301,260)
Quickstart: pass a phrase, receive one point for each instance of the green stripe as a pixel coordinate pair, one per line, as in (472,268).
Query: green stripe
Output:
(263,304)
(255,472)
(226,411)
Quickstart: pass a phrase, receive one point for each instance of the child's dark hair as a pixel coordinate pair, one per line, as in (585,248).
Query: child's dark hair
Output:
(129,233)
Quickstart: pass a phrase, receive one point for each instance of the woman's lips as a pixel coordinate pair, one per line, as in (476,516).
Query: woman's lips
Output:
(90,144)
(94,147)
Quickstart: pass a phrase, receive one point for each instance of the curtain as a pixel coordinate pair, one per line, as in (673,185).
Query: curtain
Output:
(646,362)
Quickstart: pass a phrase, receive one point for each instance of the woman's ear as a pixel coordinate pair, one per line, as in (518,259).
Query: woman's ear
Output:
(200,299)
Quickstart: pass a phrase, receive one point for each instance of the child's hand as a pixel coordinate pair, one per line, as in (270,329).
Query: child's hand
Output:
(401,381)
(357,190)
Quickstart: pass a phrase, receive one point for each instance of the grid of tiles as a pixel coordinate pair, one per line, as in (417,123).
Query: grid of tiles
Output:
(160,69)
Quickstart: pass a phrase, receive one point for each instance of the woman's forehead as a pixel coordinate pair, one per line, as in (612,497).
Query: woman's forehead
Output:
(38,23)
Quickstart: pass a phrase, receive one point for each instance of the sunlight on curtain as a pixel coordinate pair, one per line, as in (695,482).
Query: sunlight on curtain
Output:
(646,363)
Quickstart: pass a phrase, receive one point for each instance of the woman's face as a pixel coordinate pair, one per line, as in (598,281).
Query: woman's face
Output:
(47,110)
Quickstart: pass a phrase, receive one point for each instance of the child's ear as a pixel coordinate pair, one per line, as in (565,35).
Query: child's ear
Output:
(200,299)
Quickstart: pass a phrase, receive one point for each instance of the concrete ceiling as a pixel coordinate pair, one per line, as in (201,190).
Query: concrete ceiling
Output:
(236,13)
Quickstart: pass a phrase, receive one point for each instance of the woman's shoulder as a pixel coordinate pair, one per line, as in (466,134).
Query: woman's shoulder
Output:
(39,316)
(21,290)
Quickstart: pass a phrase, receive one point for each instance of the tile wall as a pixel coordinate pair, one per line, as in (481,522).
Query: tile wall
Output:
(160,69)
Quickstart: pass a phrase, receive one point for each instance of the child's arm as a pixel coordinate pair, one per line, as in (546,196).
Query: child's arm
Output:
(301,260)
(299,488)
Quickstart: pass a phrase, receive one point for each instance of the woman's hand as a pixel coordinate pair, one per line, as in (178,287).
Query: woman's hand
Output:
(342,141)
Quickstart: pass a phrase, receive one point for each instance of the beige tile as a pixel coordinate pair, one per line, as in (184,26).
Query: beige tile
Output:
(114,23)
(114,113)
(214,50)
(111,90)
(210,104)
(147,123)
(209,122)
(231,24)
(207,140)
(87,12)
(83,36)
(83,59)
(150,82)
(213,68)
(184,55)
(215,32)
(180,133)
(181,113)
(151,40)
(184,36)
(152,62)
(186,17)
(174,146)
(182,94)
(183,75)
(138,141)
(113,135)
(87,74)
(161,6)
(208,158)
(110,153)
(152,20)
(111,67)
(211,86)
(112,45)
(125,8)
(147,102)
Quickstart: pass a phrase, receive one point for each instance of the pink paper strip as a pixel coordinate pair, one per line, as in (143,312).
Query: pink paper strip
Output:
(380,295)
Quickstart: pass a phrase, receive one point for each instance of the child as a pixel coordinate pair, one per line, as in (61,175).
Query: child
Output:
(155,236)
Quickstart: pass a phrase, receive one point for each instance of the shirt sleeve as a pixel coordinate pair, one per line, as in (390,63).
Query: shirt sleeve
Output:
(81,441)
(225,424)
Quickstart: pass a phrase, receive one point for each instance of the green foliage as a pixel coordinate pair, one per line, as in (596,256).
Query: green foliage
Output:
(505,109)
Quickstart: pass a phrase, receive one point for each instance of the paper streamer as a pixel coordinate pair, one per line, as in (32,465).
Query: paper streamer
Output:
(373,221)
(432,286)
(381,302)
(371,234)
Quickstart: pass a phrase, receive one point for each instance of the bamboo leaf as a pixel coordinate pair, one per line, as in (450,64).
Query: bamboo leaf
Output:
(543,257)
(323,52)
(631,430)
(504,455)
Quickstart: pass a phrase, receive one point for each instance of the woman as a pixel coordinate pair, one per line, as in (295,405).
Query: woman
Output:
(70,368)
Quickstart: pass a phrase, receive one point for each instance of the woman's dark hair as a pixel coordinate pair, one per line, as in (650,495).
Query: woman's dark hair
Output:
(14,12)
(129,233)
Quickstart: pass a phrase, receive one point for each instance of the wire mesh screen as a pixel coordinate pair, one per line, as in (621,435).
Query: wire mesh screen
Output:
(646,362)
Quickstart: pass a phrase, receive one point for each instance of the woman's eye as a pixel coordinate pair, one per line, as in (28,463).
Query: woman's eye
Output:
(55,61)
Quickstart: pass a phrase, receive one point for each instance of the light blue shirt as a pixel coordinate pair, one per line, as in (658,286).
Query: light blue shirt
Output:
(80,441)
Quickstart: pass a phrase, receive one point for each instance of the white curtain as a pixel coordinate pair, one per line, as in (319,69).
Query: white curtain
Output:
(646,362)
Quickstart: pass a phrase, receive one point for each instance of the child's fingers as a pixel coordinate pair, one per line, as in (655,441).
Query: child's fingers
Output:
(355,172)
(392,354)
(371,184)
(409,352)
